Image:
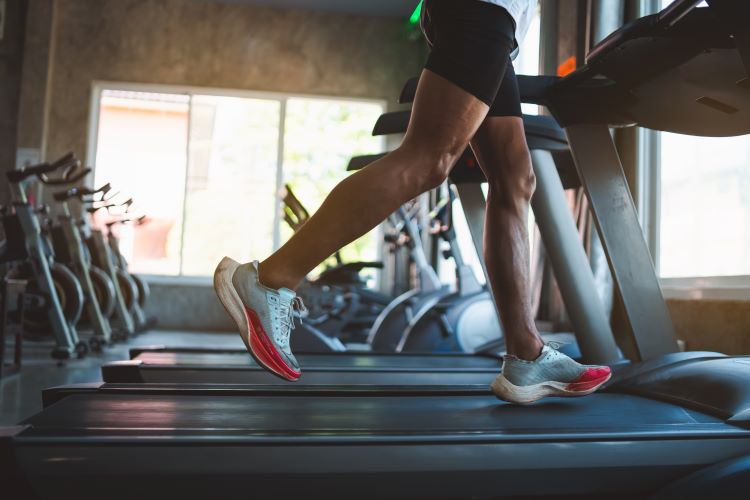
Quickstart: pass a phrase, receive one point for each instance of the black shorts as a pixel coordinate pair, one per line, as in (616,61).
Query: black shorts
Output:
(471,43)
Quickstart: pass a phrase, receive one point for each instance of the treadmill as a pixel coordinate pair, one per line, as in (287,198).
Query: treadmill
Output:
(193,441)
(674,424)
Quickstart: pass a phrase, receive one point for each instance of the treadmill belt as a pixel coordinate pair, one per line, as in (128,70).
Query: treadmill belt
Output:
(360,417)
(325,361)
(135,371)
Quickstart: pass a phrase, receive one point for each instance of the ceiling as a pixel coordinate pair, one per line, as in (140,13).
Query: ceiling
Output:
(394,8)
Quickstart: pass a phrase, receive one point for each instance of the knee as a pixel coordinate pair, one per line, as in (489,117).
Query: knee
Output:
(515,181)
(430,164)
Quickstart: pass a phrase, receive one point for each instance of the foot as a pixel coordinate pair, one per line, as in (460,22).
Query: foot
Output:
(265,317)
(551,374)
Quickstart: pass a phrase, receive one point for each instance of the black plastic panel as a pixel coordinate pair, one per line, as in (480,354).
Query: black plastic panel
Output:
(715,385)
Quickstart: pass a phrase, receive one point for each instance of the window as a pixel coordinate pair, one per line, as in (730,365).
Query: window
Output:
(207,167)
(705,206)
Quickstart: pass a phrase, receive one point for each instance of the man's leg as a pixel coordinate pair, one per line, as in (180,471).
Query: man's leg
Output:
(443,120)
(500,147)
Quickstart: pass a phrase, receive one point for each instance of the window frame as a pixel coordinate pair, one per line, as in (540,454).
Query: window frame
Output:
(98,86)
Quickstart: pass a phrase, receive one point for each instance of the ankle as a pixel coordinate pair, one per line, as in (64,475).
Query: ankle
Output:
(528,350)
(273,278)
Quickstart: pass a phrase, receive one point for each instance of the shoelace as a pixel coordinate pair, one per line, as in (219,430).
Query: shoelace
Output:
(286,318)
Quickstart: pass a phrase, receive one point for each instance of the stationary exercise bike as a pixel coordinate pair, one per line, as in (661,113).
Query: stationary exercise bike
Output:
(142,290)
(30,256)
(98,288)
(102,258)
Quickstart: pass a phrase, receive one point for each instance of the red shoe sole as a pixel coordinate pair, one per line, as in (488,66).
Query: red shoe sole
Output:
(263,349)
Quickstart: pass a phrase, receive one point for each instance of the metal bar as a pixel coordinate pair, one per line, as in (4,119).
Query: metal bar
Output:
(428,278)
(186,185)
(473,204)
(676,11)
(277,208)
(603,179)
(648,178)
(570,264)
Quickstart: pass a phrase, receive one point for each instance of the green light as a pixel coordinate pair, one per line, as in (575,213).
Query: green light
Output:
(414,19)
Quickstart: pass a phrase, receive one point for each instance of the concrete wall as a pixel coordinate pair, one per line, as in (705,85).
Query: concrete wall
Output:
(11,58)
(712,325)
(211,44)
(38,54)
(187,304)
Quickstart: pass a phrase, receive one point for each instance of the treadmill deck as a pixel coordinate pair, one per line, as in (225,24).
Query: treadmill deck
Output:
(353,415)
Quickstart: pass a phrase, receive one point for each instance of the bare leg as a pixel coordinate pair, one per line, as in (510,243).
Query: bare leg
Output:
(443,120)
(500,147)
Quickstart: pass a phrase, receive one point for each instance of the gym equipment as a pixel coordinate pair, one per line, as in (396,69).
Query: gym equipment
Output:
(386,331)
(63,298)
(338,300)
(137,287)
(437,322)
(101,256)
(98,290)
(13,301)
(470,308)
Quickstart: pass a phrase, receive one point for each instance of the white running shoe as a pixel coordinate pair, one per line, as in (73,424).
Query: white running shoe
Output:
(551,374)
(265,317)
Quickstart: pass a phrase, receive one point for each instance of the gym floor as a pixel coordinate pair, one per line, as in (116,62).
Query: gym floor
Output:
(22,392)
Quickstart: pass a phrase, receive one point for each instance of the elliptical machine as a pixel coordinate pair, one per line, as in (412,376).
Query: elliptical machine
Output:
(385,334)
(461,321)
(431,318)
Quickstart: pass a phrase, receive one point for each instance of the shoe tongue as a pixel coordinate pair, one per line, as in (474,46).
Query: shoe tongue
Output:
(287,294)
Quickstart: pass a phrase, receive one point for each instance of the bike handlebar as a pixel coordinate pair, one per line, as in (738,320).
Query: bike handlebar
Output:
(137,221)
(80,192)
(69,163)
(70,176)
